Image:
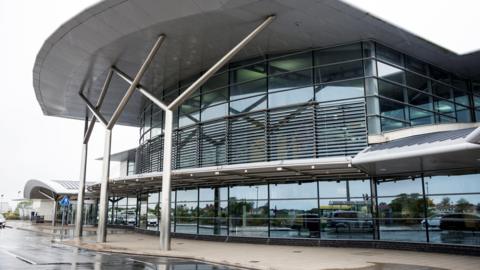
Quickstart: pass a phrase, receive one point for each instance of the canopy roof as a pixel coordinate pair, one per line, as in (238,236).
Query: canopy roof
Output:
(47,189)
(120,32)
(433,153)
(300,170)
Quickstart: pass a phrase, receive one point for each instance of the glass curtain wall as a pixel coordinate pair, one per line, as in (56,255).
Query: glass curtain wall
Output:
(441,209)
(405,92)
(402,91)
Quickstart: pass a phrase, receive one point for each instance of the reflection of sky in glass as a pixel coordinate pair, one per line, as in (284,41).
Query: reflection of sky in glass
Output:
(395,188)
(283,191)
(249,192)
(332,189)
(453,184)
(473,199)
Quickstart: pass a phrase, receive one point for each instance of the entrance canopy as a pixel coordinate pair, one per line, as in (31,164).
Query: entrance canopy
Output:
(331,168)
(50,189)
(434,153)
(80,53)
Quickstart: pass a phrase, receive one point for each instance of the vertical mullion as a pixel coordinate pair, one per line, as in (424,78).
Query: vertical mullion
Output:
(268,209)
(425,209)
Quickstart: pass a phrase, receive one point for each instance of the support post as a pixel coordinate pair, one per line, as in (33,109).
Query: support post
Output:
(166,184)
(81,193)
(54,218)
(103,205)
(168,130)
(374,208)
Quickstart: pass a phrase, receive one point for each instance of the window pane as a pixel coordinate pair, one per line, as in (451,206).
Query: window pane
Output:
(248,104)
(216,82)
(187,195)
(290,80)
(249,192)
(214,97)
(294,190)
(339,72)
(390,124)
(461,97)
(340,90)
(439,75)
(401,208)
(391,91)
(417,82)
(290,97)
(290,63)
(294,218)
(338,54)
(444,107)
(420,117)
(415,65)
(248,89)
(463,114)
(388,55)
(248,73)
(214,112)
(442,90)
(420,99)
(390,73)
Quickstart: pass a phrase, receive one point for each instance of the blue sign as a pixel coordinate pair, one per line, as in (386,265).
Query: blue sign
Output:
(65,201)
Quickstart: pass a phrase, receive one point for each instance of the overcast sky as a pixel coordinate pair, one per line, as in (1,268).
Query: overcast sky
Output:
(34,146)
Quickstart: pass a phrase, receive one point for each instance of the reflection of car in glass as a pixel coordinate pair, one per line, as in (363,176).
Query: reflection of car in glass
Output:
(3,221)
(152,221)
(311,222)
(460,222)
(348,220)
(433,221)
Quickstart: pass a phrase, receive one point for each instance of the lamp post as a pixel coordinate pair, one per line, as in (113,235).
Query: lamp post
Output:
(1,203)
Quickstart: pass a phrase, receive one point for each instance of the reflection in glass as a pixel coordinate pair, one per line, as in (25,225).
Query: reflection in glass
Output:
(339,72)
(289,97)
(338,54)
(339,91)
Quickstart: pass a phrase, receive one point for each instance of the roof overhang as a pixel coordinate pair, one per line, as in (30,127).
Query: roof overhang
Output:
(120,32)
(433,153)
(49,189)
(300,170)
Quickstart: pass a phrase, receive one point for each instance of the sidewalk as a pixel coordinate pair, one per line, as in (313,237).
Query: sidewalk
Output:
(270,257)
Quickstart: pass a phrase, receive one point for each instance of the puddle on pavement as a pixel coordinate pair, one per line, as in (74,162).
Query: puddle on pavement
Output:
(391,266)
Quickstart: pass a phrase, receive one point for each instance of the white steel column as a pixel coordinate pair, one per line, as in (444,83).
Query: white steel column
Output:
(83,169)
(166,182)
(103,205)
(167,148)
(81,193)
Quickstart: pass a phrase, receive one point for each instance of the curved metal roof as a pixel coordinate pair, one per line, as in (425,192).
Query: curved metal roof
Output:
(34,188)
(120,32)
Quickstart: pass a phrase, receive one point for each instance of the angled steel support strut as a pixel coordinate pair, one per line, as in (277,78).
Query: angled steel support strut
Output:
(135,82)
(83,167)
(103,205)
(167,145)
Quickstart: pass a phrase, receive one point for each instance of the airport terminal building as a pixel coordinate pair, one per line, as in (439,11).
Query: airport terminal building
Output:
(330,126)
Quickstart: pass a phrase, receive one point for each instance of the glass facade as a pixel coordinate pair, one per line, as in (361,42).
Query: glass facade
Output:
(438,209)
(310,104)
(405,92)
(343,93)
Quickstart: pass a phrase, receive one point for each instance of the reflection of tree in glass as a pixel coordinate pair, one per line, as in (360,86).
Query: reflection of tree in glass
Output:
(407,206)
(463,206)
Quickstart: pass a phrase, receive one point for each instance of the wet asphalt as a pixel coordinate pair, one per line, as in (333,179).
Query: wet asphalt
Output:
(27,250)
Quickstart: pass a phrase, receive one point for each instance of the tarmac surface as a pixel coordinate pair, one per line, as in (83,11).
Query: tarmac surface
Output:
(21,249)
(36,246)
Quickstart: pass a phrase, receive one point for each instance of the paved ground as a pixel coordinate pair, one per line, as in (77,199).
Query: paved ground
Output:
(270,256)
(21,249)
